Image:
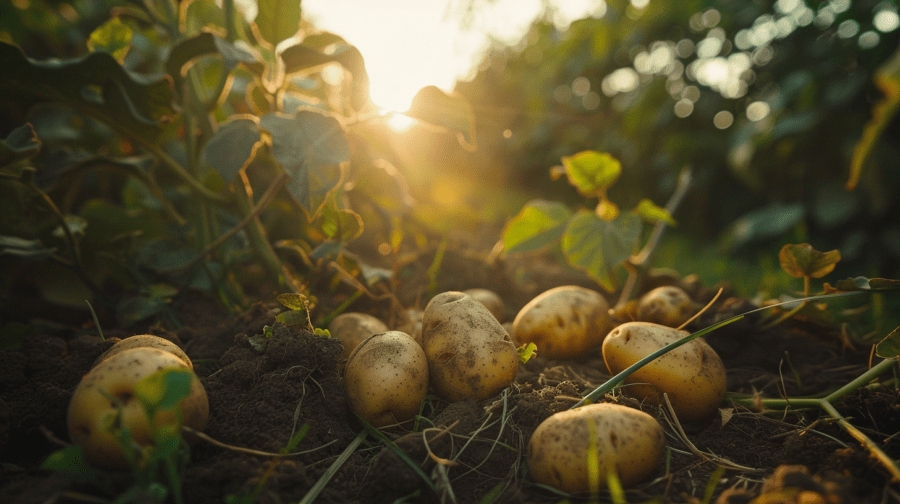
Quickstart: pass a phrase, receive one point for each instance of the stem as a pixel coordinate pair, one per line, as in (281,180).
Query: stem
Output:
(641,259)
(257,236)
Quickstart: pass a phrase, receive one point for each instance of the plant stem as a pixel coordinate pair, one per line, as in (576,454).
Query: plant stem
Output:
(257,236)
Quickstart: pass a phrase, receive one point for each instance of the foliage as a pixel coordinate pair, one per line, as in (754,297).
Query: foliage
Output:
(186,144)
(764,101)
(594,241)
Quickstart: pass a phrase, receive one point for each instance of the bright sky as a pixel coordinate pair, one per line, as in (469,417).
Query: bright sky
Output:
(410,44)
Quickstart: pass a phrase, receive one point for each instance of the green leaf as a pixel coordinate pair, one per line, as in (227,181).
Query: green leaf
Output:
(233,147)
(889,347)
(863,284)
(538,224)
(591,172)
(113,37)
(652,213)
(804,261)
(340,223)
(164,389)
(887,78)
(29,250)
(291,318)
(596,246)
(294,301)
(445,110)
(277,20)
(312,149)
(21,144)
(206,44)
(526,352)
(95,84)
(309,55)
(69,460)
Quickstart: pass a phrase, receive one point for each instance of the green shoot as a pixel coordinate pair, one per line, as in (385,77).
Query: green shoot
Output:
(316,489)
(96,320)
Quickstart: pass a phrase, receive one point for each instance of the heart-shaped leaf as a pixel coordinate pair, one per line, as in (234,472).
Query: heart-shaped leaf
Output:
(233,147)
(596,246)
(889,347)
(312,149)
(277,20)
(804,261)
(294,301)
(537,225)
(591,172)
(445,110)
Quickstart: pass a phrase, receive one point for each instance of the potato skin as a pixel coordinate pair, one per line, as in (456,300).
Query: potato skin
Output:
(353,328)
(628,440)
(145,340)
(89,410)
(469,353)
(563,322)
(386,378)
(491,299)
(692,375)
(668,305)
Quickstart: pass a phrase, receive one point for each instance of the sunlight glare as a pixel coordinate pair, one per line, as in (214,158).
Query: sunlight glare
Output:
(399,122)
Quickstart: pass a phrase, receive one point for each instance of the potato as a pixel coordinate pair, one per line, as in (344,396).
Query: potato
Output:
(91,412)
(628,441)
(352,328)
(145,340)
(386,378)
(563,322)
(469,353)
(490,299)
(668,306)
(692,375)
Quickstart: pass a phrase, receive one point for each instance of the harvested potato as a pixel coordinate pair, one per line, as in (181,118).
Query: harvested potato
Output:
(563,322)
(145,340)
(669,306)
(91,412)
(628,441)
(352,328)
(491,299)
(386,378)
(692,375)
(469,353)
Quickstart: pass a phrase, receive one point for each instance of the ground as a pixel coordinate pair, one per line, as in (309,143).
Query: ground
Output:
(260,397)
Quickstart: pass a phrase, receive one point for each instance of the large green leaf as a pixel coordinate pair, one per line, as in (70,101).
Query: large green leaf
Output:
(113,37)
(278,20)
(312,149)
(309,54)
(95,84)
(206,44)
(21,144)
(445,110)
(538,224)
(233,147)
(591,172)
(596,246)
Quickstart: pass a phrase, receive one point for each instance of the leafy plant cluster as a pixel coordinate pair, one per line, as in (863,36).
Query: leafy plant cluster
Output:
(769,103)
(190,148)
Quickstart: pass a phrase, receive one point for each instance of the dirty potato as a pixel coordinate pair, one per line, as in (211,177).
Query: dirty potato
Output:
(563,322)
(692,375)
(92,412)
(352,328)
(145,340)
(386,378)
(469,353)
(669,306)
(625,440)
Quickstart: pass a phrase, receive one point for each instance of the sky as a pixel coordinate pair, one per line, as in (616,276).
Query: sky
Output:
(410,44)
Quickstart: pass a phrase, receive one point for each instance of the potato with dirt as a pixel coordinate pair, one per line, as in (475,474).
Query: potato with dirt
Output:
(469,353)
(606,437)
(148,341)
(692,375)
(668,305)
(386,378)
(563,322)
(93,407)
(352,328)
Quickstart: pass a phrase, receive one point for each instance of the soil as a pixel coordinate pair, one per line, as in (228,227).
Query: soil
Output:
(259,397)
